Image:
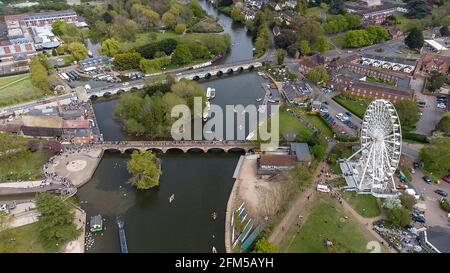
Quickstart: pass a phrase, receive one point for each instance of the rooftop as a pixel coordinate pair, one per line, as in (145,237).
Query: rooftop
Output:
(277,160)
(439,237)
(301,151)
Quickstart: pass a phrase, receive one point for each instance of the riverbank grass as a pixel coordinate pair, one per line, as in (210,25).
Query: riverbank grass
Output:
(326,220)
(365,204)
(25,240)
(18,89)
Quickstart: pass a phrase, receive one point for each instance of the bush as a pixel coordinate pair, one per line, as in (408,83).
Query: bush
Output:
(408,201)
(399,217)
(445,205)
(415,137)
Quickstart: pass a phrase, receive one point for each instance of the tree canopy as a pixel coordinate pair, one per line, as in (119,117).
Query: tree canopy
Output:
(400,217)
(264,246)
(417,9)
(408,113)
(56,221)
(317,74)
(435,156)
(145,168)
(414,40)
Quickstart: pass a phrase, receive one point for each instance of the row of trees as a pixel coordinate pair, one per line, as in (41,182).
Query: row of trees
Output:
(153,56)
(39,75)
(340,23)
(398,209)
(365,37)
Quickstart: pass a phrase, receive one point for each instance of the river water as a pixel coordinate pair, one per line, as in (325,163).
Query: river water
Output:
(201,182)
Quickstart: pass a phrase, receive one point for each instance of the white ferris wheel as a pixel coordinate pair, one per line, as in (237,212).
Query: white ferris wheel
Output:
(380,151)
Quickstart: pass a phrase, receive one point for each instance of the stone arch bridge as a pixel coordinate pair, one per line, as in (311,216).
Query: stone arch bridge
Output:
(219,70)
(185,146)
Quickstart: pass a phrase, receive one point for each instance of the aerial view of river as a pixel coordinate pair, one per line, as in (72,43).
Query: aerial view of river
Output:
(200,182)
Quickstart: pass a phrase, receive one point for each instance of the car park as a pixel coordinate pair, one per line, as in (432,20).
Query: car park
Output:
(441,192)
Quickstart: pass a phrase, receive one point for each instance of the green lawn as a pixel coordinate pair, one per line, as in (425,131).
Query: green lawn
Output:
(338,182)
(26,240)
(18,163)
(9,79)
(290,124)
(319,123)
(326,221)
(19,92)
(379,80)
(313,12)
(355,105)
(365,204)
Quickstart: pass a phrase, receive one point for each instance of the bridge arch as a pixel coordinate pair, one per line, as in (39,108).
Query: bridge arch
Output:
(230,71)
(113,150)
(106,94)
(120,91)
(175,150)
(219,73)
(216,150)
(93,97)
(131,150)
(195,150)
(240,69)
(251,67)
(208,75)
(236,150)
(196,78)
(156,150)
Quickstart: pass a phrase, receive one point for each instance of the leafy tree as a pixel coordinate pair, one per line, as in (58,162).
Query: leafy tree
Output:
(180,28)
(337,7)
(110,47)
(353,21)
(39,75)
(435,156)
(444,124)
(107,17)
(301,7)
(280,55)
(264,246)
(408,200)
(56,221)
(304,47)
(45,61)
(169,20)
(417,9)
(182,55)
(357,38)
(286,38)
(437,80)
(56,27)
(225,3)
(321,45)
(154,65)
(308,30)
(127,60)
(408,113)
(123,29)
(399,217)
(145,168)
(237,15)
(444,31)
(145,16)
(377,34)
(78,51)
(317,74)
(319,151)
(391,203)
(414,40)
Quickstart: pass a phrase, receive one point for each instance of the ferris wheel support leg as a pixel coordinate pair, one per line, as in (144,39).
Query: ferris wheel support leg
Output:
(357,152)
(365,168)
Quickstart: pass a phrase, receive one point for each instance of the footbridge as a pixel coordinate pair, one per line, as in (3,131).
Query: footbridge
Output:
(219,70)
(185,146)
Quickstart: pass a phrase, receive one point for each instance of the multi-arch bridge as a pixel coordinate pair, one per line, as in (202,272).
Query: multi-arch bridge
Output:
(208,72)
(185,146)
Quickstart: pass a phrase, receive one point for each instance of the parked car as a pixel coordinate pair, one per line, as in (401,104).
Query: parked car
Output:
(441,192)
(419,218)
(427,179)
(416,165)
(348,114)
(446,178)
